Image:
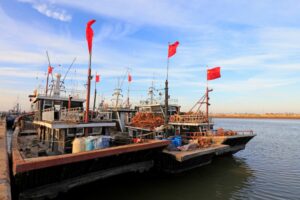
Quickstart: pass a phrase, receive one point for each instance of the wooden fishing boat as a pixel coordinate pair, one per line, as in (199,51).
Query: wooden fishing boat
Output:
(199,142)
(43,153)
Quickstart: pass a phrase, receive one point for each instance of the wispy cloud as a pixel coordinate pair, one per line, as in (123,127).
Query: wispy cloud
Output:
(49,10)
(163,13)
(257,53)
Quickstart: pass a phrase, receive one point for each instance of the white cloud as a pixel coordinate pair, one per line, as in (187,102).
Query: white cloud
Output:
(154,12)
(49,10)
(136,38)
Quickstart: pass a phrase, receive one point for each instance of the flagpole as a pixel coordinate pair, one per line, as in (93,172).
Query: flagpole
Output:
(89,37)
(86,119)
(49,65)
(167,93)
(128,94)
(47,82)
(95,94)
(207,99)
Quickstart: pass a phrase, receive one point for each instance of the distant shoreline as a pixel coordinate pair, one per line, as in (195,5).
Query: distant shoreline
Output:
(257,116)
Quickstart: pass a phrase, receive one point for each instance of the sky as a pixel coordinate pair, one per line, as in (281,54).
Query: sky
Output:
(256,43)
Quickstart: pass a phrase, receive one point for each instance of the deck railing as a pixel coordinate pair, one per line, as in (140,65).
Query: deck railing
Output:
(194,118)
(77,115)
(213,133)
(72,114)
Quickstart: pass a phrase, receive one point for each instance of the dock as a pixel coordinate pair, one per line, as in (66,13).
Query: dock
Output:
(5,189)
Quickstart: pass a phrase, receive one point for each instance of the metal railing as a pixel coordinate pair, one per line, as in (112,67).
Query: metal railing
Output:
(72,114)
(214,133)
(77,115)
(102,116)
(194,118)
(246,132)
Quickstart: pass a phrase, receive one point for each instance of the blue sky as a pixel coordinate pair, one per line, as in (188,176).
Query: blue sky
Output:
(256,43)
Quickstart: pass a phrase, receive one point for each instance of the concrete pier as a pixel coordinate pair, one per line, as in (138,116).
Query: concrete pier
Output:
(5,189)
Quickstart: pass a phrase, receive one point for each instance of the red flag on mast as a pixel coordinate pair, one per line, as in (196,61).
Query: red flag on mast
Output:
(97,78)
(129,78)
(213,73)
(172,49)
(50,69)
(90,34)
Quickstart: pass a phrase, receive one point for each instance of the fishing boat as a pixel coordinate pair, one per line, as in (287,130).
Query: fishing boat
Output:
(62,144)
(194,141)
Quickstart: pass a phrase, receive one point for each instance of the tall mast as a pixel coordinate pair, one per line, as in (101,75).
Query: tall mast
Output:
(95,94)
(167,93)
(207,100)
(207,97)
(86,118)
(152,92)
(47,81)
(128,103)
(89,37)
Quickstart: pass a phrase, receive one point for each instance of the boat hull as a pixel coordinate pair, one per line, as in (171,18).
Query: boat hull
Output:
(47,176)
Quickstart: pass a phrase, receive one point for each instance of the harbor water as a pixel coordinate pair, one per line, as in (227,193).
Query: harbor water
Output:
(269,168)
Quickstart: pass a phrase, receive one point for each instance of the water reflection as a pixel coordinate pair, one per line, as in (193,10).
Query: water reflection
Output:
(269,168)
(221,180)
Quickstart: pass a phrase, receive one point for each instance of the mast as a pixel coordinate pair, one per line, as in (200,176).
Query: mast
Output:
(47,81)
(207,107)
(207,101)
(167,93)
(86,118)
(151,91)
(89,37)
(128,103)
(95,94)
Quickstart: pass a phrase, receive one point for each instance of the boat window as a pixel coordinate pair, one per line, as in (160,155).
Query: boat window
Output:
(57,107)
(79,132)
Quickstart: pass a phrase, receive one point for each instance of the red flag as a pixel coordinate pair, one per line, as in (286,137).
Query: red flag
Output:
(97,78)
(129,78)
(172,49)
(50,69)
(90,34)
(213,73)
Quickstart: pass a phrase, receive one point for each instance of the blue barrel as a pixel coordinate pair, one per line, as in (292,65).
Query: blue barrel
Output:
(103,142)
(89,144)
(177,141)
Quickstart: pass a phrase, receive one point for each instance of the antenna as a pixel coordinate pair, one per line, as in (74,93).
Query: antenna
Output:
(63,81)
(120,84)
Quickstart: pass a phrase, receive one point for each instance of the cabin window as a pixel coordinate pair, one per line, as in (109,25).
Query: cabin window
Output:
(47,104)
(79,132)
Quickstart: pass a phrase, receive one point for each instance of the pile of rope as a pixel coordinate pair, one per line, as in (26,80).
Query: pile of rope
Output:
(147,120)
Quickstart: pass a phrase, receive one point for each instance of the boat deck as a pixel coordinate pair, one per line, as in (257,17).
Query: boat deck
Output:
(22,164)
(186,155)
